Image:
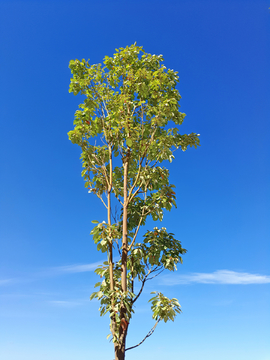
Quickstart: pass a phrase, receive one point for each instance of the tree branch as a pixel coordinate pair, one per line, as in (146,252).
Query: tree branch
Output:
(131,196)
(100,197)
(145,279)
(149,334)
(136,233)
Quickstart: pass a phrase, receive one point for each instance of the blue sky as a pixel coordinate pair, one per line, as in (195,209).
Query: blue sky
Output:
(221,50)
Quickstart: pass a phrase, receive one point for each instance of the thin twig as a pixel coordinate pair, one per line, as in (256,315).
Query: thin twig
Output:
(156,274)
(136,232)
(100,197)
(149,334)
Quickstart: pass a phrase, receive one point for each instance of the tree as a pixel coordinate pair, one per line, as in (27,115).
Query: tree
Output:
(123,130)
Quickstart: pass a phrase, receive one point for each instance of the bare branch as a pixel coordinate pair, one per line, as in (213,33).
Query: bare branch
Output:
(136,232)
(102,168)
(131,196)
(139,293)
(100,197)
(149,334)
(117,197)
(150,271)
(156,274)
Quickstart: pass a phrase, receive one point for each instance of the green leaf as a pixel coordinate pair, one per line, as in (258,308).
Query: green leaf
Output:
(129,142)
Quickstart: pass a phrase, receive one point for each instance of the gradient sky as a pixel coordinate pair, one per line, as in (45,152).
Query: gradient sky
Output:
(221,49)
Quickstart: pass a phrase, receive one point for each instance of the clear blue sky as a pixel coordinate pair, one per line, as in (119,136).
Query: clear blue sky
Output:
(222,52)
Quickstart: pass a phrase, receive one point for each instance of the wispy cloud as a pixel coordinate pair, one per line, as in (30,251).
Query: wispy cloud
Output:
(217,277)
(5,281)
(75,268)
(64,303)
(78,268)
(53,271)
(71,269)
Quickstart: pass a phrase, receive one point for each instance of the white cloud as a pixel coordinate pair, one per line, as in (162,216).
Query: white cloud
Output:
(217,277)
(78,268)
(5,281)
(54,271)
(64,303)
(70,269)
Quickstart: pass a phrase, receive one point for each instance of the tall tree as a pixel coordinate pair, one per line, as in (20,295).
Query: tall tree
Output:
(123,128)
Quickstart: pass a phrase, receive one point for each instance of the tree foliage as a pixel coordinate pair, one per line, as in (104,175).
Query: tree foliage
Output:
(127,126)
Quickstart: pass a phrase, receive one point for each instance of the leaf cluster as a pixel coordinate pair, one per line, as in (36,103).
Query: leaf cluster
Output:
(164,308)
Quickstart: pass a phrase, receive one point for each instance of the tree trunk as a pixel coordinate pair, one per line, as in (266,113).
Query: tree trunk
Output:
(120,348)
(119,351)
(109,220)
(110,244)
(124,239)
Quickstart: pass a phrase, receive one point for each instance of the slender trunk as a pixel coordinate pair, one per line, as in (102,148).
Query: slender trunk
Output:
(124,240)
(109,221)
(110,244)
(119,350)
(125,216)
(121,346)
(110,247)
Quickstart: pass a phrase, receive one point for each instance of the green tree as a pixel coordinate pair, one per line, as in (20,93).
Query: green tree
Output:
(123,129)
